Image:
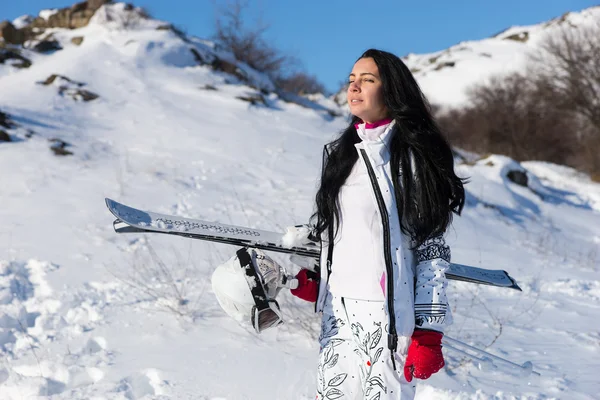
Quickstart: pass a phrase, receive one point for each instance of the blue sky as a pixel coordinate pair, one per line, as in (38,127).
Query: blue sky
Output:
(328,35)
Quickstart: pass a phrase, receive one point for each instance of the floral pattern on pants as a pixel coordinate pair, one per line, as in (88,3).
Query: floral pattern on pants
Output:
(354,361)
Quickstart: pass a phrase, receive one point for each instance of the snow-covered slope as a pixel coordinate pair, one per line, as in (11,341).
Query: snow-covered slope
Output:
(88,314)
(444,75)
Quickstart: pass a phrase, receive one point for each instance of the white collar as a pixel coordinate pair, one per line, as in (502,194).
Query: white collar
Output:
(379,133)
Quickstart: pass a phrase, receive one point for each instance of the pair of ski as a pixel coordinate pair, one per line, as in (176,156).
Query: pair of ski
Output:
(132,220)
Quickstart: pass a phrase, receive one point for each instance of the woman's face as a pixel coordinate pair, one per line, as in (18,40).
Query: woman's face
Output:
(365,92)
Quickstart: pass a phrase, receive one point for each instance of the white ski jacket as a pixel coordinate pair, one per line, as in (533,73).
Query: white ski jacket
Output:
(415,279)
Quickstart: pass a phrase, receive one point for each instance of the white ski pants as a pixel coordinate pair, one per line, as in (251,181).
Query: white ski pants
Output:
(354,360)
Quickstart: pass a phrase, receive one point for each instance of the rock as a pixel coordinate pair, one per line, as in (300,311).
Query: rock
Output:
(518,177)
(60,19)
(50,80)
(170,27)
(5,121)
(253,99)
(46,46)
(69,87)
(81,18)
(77,40)
(4,137)
(198,56)
(58,146)
(76,16)
(14,54)
(96,4)
(229,68)
(444,65)
(30,33)
(70,18)
(10,34)
(519,37)
(80,94)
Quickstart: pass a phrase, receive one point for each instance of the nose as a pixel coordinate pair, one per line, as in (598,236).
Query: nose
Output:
(354,87)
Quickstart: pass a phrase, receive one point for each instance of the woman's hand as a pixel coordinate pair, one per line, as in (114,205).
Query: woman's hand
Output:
(308,286)
(424,355)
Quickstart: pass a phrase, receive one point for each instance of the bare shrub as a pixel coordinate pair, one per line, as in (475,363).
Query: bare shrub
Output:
(174,286)
(571,59)
(247,43)
(300,83)
(549,112)
(513,116)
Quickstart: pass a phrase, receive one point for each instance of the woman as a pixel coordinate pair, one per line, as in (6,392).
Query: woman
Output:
(386,197)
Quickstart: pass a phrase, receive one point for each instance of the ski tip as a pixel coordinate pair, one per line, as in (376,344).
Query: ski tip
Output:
(516,287)
(513,282)
(111,205)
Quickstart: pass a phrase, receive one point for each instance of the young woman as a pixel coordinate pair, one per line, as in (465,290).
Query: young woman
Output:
(386,197)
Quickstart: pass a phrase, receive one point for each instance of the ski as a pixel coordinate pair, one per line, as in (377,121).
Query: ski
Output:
(132,220)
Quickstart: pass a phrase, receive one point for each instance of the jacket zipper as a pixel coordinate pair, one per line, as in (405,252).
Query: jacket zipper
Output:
(392,335)
(319,280)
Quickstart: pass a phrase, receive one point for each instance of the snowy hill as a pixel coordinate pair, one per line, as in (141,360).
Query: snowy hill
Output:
(445,75)
(88,314)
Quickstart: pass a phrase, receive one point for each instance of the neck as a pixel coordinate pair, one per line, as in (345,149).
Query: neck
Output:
(375,124)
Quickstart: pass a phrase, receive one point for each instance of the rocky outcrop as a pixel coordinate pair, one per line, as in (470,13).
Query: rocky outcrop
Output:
(518,177)
(12,56)
(10,34)
(69,87)
(47,46)
(76,16)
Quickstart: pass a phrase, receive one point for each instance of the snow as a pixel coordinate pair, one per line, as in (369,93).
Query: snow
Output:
(86,313)
(295,236)
(45,14)
(22,21)
(445,76)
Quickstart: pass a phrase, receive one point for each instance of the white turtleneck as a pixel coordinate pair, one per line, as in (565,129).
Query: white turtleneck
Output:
(358,263)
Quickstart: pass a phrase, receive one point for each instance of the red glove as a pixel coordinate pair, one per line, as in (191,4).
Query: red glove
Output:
(424,355)
(307,287)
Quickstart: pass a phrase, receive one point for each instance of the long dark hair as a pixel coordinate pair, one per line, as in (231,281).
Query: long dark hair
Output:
(428,195)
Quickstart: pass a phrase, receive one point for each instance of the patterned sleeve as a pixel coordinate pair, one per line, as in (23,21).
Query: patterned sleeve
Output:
(431,305)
